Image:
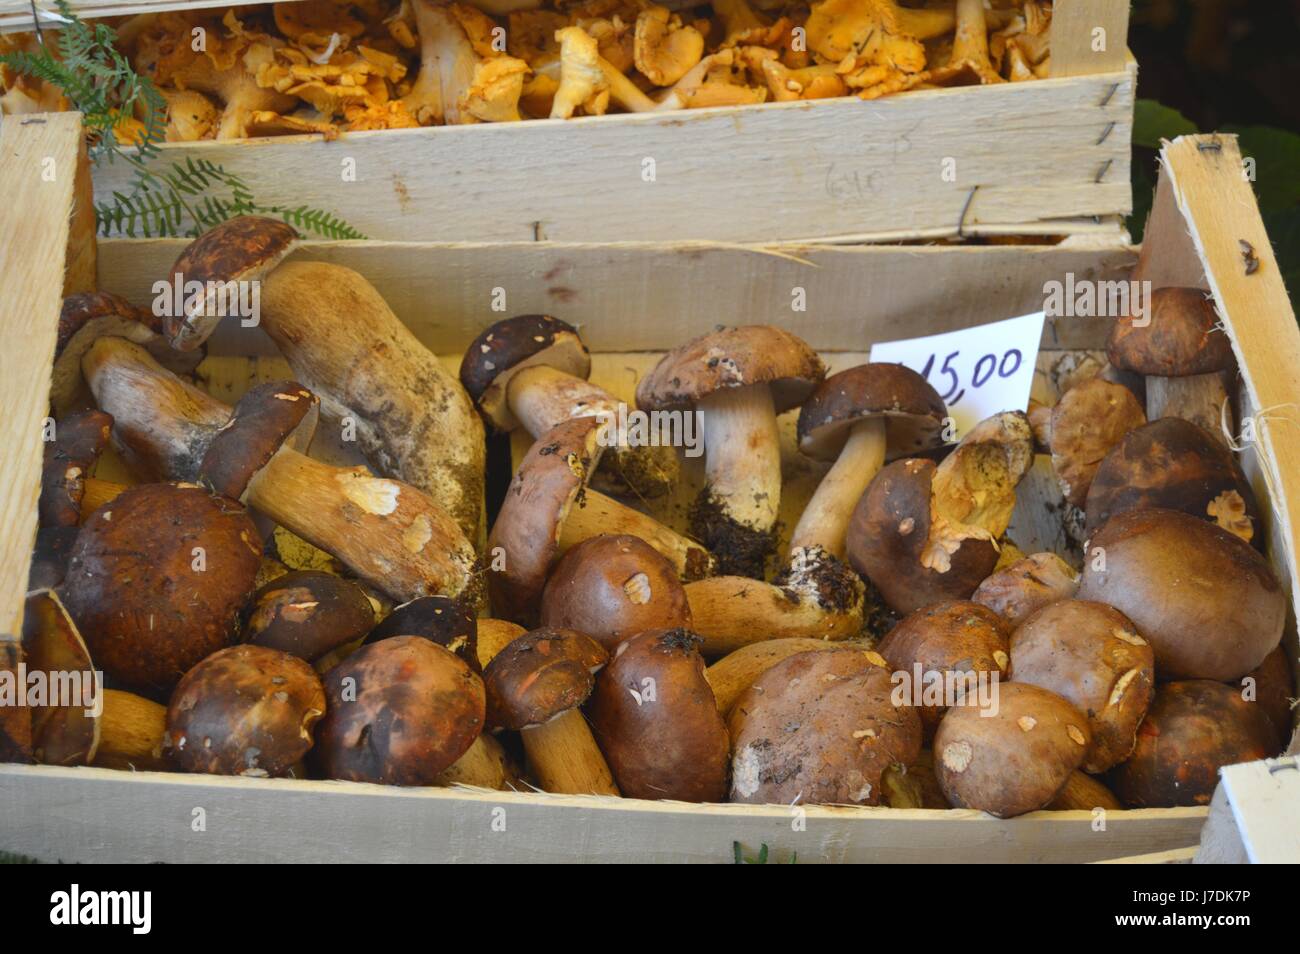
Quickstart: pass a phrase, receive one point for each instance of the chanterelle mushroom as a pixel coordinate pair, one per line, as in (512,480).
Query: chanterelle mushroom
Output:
(665,48)
(875,43)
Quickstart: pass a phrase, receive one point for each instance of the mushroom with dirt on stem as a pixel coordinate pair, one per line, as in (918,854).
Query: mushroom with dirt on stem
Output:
(532,370)
(537,685)
(740,379)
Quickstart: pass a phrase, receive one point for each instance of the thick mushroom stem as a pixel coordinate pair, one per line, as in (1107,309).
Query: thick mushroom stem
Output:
(484,765)
(446,66)
(737,511)
(541,397)
(825,520)
(565,757)
(595,514)
(1202,399)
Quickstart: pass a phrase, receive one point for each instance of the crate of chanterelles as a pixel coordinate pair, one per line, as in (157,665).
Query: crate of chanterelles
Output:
(687,743)
(621,120)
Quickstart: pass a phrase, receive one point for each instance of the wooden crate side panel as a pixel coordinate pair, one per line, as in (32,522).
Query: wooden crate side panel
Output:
(638,297)
(38,166)
(103,815)
(925,163)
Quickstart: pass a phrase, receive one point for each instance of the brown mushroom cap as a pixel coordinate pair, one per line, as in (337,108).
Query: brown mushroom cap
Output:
(614,586)
(820,727)
(79,440)
(1090,419)
(267,416)
(889,533)
(1274,688)
(63,731)
(910,408)
(1176,465)
(657,722)
(733,358)
(510,345)
(157,578)
(242,249)
(541,675)
(400,712)
(1208,604)
(50,557)
(1091,655)
(1192,730)
(1027,585)
(307,614)
(245,710)
(1013,757)
(1181,337)
(445,621)
(549,481)
(946,639)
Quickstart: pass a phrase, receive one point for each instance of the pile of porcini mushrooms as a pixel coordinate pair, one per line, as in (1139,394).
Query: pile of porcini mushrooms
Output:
(259,611)
(324,66)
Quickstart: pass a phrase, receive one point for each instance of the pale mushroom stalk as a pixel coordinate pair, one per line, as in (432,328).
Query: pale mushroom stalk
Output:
(742,448)
(387,532)
(826,518)
(596,514)
(237,89)
(447,63)
(565,757)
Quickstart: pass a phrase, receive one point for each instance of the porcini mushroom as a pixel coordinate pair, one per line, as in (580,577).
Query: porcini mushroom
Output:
(244,710)
(1184,352)
(157,578)
(79,439)
(820,728)
(657,722)
(1272,686)
(1175,465)
(389,533)
(1011,758)
(611,587)
(400,712)
(1027,585)
(1088,420)
(1208,603)
(859,419)
(1091,655)
(131,730)
(924,533)
(308,614)
(739,379)
(537,685)
(444,621)
(532,370)
(64,729)
(735,672)
(547,509)
(1192,730)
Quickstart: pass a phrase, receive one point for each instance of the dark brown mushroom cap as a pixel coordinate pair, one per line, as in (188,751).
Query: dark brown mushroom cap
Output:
(84,307)
(511,345)
(954,637)
(1091,655)
(911,409)
(1175,465)
(1192,730)
(614,586)
(443,620)
(1011,757)
(550,479)
(1209,605)
(244,710)
(657,722)
(888,534)
(79,440)
(242,249)
(822,728)
(541,675)
(1090,419)
(15,721)
(63,732)
(307,614)
(733,358)
(1274,687)
(157,578)
(50,557)
(1180,338)
(268,416)
(400,711)
(1027,585)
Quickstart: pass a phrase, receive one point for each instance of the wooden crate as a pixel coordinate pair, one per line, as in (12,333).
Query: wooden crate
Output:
(1046,157)
(629,300)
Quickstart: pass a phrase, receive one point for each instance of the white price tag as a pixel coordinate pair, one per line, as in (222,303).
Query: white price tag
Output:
(977,371)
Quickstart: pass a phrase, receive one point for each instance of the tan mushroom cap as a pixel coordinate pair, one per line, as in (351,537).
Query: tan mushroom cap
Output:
(268,416)
(242,249)
(541,675)
(1180,337)
(1087,422)
(509,346)
(910,408)
(549,481)
(733,357)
